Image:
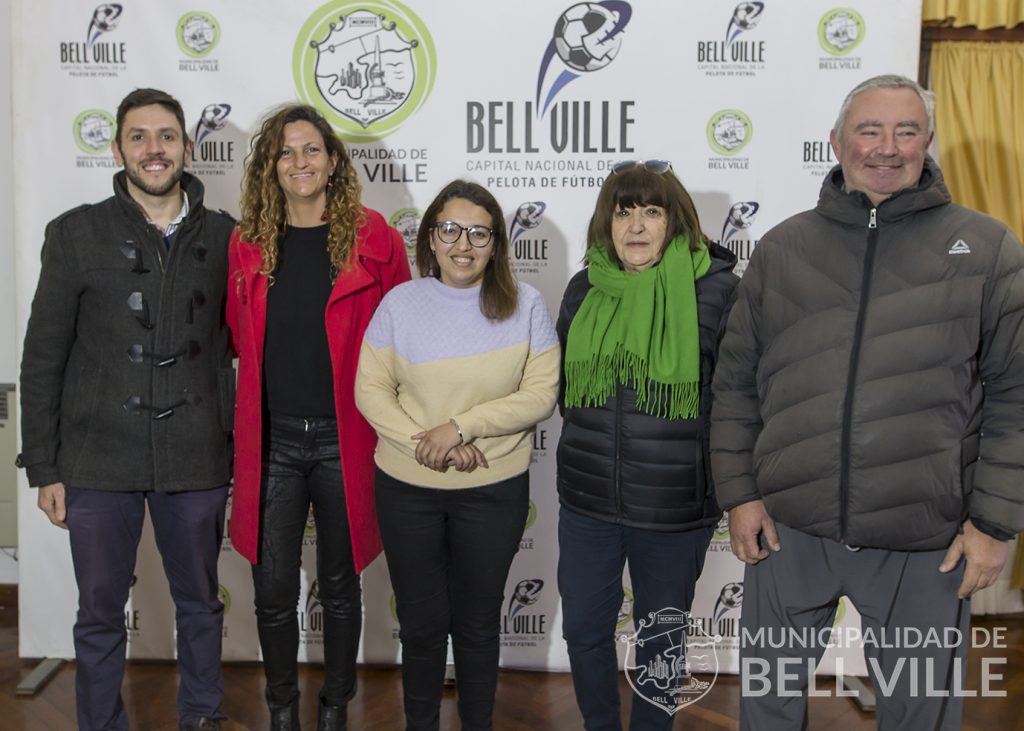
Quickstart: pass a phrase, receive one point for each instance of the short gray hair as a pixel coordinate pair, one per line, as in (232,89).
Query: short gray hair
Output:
(886,81)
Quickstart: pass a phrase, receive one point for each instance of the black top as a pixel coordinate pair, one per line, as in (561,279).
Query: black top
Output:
(297,372)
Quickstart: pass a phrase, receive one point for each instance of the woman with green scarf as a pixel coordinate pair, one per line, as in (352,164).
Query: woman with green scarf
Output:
(639,329)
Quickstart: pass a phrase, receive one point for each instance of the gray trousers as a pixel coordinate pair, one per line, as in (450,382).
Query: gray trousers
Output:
(789,605)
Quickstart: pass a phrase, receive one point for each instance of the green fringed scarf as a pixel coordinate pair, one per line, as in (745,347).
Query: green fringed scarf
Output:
(639,330)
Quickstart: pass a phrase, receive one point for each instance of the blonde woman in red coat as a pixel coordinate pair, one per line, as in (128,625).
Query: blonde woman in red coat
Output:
(308,266)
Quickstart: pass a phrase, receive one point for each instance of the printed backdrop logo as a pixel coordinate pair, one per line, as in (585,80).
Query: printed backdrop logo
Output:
(722,529)
(528,216)
(198,34)
(662,656)
(735,56)
(309,532)
(745,17)
(94,130)
(407,222)
(311,621)
(729,131)
(840,30)
(729,599)
(586,38)
(95,57)
(212,154)
(735,235)
(104,20)
(368,66)
(625,618)
(523,625)
(526,542)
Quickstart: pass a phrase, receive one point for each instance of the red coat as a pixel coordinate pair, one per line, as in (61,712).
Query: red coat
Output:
(380,264)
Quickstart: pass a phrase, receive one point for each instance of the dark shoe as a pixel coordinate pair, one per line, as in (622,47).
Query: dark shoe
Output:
(285,719)
(332,718)
(205,724)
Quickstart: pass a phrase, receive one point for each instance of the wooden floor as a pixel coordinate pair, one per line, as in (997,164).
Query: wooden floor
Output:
(527,701)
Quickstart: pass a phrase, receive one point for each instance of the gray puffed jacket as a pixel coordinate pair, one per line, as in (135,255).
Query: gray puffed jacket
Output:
(870,385)
(126,376)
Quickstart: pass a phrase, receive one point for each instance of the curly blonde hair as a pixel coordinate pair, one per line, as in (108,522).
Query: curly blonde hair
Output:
(263,201)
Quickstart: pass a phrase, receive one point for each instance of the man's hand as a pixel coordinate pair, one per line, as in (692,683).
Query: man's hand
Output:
(984,555)
(746,523)
(51,502)
(434,445)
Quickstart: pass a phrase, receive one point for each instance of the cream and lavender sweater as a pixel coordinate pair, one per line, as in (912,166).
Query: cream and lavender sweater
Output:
(430,355)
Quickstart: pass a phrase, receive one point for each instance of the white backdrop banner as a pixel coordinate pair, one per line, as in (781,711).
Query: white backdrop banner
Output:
(535,100)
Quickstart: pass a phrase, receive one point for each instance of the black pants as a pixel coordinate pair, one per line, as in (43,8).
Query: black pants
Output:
(302,465)
(449,553)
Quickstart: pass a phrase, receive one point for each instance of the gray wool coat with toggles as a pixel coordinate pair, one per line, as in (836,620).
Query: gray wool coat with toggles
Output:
(126,375)
(870,384)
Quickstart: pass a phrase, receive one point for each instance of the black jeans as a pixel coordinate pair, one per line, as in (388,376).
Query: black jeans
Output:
(302,465)
(449,553)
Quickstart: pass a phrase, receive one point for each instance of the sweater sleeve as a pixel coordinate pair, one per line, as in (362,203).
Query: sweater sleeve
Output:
(48,342)
(534,400)
(998,497)
(376,388)
(735,411)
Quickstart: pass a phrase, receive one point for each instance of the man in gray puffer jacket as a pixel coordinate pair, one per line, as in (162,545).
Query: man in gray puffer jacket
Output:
(868,422)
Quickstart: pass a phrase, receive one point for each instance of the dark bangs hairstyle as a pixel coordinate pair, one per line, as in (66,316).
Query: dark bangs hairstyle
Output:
(499,294)
(639,186)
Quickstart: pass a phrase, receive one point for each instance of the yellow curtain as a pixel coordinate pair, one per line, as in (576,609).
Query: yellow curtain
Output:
(982,14)
(979,102)
(979,105)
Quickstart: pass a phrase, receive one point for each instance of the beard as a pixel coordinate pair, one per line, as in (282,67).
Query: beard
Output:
(156,190)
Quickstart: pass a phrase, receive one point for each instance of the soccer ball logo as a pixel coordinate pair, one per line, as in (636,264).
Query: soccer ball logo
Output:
(527,592)
(732,595)
(198,33)
(104,19)
(742,214)
(530,214)
(586,38)
(747,15)
(213,118)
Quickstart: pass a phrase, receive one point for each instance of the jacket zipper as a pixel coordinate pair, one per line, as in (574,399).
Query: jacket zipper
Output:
(618,456)
(851,378)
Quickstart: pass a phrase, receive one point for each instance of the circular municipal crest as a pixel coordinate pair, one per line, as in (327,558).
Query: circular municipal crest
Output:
(94,131)
(393,605)
(531,517)
(722,529)
(840,30)
(626,610)
(198,34)
(368,66)
(225,597)
(407,222)
(729,131)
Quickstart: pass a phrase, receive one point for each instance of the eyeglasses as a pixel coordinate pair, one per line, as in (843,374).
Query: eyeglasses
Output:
(655,166)
(477,236)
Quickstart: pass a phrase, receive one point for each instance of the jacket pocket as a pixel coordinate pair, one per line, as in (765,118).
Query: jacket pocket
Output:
(81,391)
(970,448)
(226,398)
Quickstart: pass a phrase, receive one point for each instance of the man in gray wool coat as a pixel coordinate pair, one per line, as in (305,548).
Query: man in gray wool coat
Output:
(127,397)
